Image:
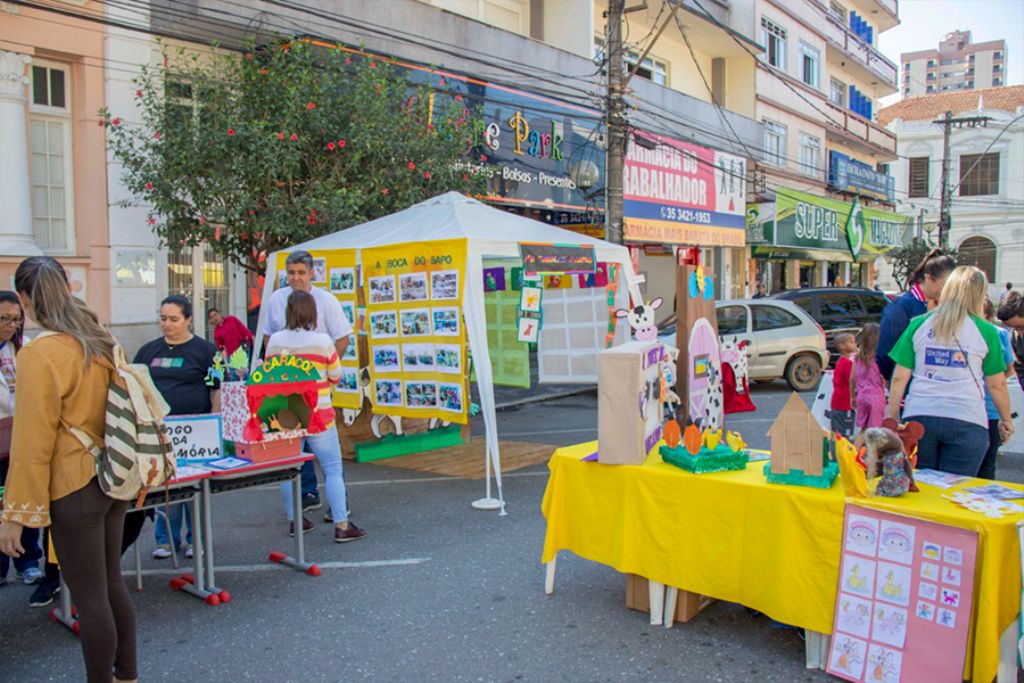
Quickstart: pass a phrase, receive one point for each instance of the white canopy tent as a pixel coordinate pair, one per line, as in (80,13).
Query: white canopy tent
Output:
(489,233)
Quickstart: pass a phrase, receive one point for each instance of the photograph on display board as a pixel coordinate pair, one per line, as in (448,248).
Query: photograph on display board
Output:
(388,392)
(343,280)
(349,382)
(352,349)
(382,289)
(282,279)
(383,324)
(449,397)
(412,287)
(449,358)
(420,395)
(444,284)
(446,322)
(386,358)
(418,357)
(416,322)
(349,309)
(320,271)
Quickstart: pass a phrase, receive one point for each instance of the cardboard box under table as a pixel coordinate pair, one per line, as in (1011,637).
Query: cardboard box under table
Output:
(776,549)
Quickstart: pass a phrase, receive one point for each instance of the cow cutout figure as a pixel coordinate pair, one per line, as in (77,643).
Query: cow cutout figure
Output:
(641,319)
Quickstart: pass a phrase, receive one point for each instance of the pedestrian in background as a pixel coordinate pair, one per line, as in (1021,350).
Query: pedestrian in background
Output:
(988,465)
(1011,314)
(868,383)
(841,415)
(926,283)
(229,334)
(63,378)
(951,353)
(762,291)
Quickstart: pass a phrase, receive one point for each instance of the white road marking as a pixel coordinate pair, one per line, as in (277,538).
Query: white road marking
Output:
(505,435)
(270,566)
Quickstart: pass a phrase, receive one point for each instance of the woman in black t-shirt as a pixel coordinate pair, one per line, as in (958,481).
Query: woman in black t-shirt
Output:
(179,363)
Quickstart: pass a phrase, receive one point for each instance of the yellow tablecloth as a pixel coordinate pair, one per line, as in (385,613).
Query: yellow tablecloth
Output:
(774,548)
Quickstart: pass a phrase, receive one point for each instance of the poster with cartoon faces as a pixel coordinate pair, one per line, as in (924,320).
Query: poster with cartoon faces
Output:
(862,535)
(896,542)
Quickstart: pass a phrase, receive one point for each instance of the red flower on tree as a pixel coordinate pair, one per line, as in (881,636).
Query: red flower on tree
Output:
(311,105)
(373,65)
(330,146)
(263,72)
(465,176)
(115,121)
(312,220)
(458,98)
(138,93)
(341,143)
(149,186)
(385,191)
(280,136)
(412,166)
(231,132)
(294,137)
(426,174)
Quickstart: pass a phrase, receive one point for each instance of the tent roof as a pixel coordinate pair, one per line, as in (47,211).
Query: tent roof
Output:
(450,216)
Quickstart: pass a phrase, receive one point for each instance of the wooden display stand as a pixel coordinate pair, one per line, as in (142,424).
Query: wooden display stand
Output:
(688,605)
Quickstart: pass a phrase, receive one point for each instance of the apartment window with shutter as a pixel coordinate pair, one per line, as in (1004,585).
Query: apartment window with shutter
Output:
(774,143)
(917,183)
(51,161)
(837,92)
(773,37)
(810,154)
(809,59)
(979,174)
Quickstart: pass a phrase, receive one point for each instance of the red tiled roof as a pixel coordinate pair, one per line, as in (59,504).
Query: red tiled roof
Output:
(1006,98)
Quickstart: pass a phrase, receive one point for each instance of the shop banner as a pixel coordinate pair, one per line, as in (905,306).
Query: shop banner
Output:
(557,259)
(681,193)
(855,177)
(417,336)
(903,607)
(335,271)
(804,221)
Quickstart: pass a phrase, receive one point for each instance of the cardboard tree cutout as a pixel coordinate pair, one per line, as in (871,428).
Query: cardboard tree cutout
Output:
(282,394)
(800,448)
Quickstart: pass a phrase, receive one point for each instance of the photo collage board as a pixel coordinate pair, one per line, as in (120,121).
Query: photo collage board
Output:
(416,331)
(336,271)
(903,607)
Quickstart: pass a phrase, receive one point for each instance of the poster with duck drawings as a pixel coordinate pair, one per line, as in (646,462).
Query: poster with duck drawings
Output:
(903,605)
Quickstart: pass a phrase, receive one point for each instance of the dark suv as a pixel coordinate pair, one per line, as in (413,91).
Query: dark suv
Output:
(838,309)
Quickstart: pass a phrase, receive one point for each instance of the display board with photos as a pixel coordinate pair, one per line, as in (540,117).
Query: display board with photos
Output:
(903,607)
(416,331)
(337,271)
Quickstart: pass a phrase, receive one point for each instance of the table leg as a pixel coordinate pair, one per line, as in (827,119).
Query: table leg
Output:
(195,584)
(1007,671)
(299,560)
(670,606)
(815,649)
(205,497)
(656,592)
(549,576)
(65,613)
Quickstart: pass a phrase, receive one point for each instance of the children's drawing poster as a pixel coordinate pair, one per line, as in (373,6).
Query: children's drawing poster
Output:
(903,608)
(415,328)
(510,359)
(337,272)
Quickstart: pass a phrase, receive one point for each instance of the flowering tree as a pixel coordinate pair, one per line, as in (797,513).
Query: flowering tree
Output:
(251,152)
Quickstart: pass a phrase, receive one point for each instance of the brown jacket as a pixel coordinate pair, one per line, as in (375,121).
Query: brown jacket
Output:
(47,461)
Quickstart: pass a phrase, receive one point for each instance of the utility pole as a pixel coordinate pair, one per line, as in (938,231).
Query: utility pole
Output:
(948,122)
(614,120)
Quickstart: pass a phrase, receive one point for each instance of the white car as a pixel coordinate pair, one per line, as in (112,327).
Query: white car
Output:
(783,341)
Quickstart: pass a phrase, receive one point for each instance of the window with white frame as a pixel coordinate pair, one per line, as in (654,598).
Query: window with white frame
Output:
(837,92)
(773,37)
(809,61)
(810,154)
(774,143)
(51,162)
(837,11)
(652,68)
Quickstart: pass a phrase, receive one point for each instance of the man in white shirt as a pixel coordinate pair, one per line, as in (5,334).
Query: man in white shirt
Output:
(330,319)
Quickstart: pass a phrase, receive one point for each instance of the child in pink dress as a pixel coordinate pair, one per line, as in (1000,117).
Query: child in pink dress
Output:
(868,384)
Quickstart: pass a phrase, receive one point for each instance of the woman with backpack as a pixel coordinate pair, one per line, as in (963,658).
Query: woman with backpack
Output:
(63,377)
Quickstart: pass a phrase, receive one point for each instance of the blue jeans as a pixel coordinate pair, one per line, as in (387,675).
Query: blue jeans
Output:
(327,449)
(309,487)
(950,445)
(175,513)
(995,440)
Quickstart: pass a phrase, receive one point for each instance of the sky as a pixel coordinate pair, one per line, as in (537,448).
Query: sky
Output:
(923,23)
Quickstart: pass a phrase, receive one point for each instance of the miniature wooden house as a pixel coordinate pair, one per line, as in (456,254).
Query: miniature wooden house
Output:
(798,441)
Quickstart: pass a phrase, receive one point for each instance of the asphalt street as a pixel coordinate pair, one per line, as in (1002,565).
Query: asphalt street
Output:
(436,591)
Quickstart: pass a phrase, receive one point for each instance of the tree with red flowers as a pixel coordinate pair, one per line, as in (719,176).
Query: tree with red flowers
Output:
(255,151)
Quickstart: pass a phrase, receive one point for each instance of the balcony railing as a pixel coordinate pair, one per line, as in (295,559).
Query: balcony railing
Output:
(845,40)
(859,127)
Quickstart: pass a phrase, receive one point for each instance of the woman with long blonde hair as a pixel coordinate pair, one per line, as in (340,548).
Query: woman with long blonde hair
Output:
(63,375)
(952,354)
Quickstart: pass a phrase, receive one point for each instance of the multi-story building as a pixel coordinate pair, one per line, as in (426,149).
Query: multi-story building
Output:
(957,64)
(825,157)
(986,175)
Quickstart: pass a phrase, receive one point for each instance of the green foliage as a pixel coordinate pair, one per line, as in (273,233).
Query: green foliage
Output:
(906,259)
(252,152)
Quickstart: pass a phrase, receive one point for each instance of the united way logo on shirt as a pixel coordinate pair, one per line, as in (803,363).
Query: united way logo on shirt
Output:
(167,363)
(945,358)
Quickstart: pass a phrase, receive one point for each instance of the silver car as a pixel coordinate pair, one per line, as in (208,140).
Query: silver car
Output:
(782,340)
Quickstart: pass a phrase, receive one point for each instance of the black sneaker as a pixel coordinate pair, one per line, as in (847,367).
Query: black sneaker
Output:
(310,501)
(46,590)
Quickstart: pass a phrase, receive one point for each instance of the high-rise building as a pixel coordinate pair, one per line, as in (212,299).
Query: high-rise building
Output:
(957,64)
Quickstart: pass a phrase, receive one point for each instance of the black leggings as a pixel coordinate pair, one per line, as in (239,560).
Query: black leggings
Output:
(87,528)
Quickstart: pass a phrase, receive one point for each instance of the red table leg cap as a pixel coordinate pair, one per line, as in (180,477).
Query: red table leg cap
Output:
(276,556)
(212,600)
(76,628)
(177,583)
(313,571)
(53,615)
(225,597)
(189,578)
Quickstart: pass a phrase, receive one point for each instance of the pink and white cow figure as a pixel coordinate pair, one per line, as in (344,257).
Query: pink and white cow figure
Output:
(641,319)
(734,353)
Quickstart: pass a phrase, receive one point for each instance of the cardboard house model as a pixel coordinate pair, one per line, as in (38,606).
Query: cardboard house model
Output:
(799,448)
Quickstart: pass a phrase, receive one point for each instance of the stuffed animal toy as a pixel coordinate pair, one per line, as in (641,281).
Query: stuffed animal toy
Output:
(885,450)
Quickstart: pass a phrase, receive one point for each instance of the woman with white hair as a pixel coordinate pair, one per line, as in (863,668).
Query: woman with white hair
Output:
(952,353)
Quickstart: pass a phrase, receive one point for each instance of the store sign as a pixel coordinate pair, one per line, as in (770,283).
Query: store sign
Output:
(855,177)
(679,193)
(806,222)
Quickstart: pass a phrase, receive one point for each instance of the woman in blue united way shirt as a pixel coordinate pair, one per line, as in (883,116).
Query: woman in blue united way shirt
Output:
(953,355)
